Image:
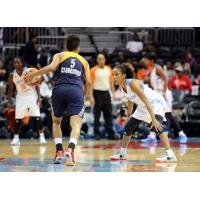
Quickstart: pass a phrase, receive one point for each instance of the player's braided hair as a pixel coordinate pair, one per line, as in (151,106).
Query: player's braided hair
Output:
(127,69)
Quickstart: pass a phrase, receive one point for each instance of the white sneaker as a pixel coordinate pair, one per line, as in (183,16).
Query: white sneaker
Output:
(167,158)
(15,149)
(42,140)
(15,141)
(118,157)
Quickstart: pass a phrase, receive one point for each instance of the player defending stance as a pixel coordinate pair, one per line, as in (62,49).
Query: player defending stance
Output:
(27,101)
(151,108)
(67,95)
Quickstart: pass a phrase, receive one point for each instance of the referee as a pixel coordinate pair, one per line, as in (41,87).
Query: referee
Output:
(102,83)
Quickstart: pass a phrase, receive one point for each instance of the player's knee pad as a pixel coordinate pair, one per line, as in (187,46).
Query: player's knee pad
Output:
(38,123)
(17,126)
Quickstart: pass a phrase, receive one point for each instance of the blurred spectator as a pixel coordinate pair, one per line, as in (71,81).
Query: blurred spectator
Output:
(135,45)
(102,83)
(120,58)
(2,70)
(105,52)
(168,67)
(30,51)
(1,40)
(197,80)
(179,83)
(3,81)
(190,59)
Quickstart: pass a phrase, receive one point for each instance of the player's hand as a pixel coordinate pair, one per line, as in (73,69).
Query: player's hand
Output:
(92,101)
(157,125)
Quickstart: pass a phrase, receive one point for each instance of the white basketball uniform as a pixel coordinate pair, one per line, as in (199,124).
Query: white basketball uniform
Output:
(26,99)
(155,99)
(158,85)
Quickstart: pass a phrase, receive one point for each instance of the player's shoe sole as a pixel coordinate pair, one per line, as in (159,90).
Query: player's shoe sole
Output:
(173,160)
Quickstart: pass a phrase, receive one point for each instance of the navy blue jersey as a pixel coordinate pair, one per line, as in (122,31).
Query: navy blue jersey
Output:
(71,70)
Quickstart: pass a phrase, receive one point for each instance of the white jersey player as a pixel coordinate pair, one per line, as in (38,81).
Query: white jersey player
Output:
(27,101)
(151,107)
(158,81)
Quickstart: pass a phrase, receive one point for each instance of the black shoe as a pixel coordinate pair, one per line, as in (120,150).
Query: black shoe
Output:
(97,137)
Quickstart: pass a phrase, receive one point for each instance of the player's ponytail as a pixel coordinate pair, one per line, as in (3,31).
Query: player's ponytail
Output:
(127,69)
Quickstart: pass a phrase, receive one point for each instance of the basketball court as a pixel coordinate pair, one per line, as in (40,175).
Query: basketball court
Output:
(93,156)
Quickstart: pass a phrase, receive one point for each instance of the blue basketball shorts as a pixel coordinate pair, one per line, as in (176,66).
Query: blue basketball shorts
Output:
(69,98)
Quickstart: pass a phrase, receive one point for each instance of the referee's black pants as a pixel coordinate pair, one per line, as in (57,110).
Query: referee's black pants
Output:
(103,104)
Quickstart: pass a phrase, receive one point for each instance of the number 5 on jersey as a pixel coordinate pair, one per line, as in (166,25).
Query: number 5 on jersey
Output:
(73,63)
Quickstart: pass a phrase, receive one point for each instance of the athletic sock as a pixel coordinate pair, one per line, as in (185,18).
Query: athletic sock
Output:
(181,133)
(123,151)
(58,142)
(41,134)
(16,136)
(72,143)
(169,152)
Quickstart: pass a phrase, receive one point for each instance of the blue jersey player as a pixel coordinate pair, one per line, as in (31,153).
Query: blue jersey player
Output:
(67,95)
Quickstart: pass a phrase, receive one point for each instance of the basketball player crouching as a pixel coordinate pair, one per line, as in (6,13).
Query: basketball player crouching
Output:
(27,101)
(151,107)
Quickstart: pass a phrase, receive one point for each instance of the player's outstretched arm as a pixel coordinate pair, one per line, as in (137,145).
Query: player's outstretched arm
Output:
(163,76)
(45,70)
(87,81)
(130,108)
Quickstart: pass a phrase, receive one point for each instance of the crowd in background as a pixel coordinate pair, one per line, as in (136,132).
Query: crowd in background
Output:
(182,80)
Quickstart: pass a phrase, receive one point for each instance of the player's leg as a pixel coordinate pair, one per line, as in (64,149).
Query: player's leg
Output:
(174,123)
(59,106)
(57,134)
(129,129)
(17,128)
(76,123)
(169,154)
(20,112)
(176,126)
(40,129)
(34,111)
